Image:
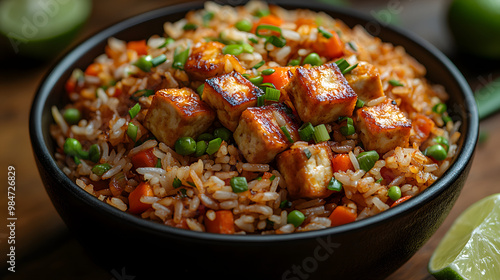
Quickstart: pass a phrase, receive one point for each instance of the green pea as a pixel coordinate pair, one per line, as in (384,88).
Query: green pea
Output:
(201,148)
(205,137)
(244,25)
(73,147)
(439,108)
(367,160)
(222,133)
(268,71)
(213,146)
(72,116)
(313,59)
(443,142)
(233,49)
(295,218)
(294,62)
(239,184)
(94,153)
(100,169)
(256,80)
(436,152)
(185,146)
(394,193)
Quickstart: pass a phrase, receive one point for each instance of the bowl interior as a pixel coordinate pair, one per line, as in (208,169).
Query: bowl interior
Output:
(440,70)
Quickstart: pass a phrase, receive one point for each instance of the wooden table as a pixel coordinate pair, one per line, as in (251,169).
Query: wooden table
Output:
(45,249)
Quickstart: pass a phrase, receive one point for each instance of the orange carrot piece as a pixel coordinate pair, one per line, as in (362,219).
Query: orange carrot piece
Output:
(401,200)
(305,21)
(280,76)
(138,46)
(223,222)
(270,20)
(144,158)
(342,162)
(342,215)
(93,69)
(422,125)
(70,86)
(135,206)
(267,175)
(329,47)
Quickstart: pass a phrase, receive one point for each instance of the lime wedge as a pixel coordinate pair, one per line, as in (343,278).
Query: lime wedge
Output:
(471,248)
(41,28)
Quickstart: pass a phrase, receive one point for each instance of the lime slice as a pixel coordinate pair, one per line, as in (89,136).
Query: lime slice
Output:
(471,248)
(41,28)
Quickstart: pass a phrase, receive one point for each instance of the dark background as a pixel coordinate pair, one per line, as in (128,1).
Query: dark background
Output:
(44,247)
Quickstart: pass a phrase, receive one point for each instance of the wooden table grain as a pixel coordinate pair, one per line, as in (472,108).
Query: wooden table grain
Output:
(44,247)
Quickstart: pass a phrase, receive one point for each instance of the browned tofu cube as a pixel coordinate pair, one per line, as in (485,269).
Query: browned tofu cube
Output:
(259,134)
(365,81)
(321,94)
(176,113)
(307,170)
(383,127)
(230,94)
(205,61)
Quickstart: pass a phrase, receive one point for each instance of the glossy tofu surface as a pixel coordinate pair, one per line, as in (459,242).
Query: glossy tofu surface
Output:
(383,127)
(230,94)
(365,81)
(307,177)
(177,112)
(321,94)
(206,60)
(259,135)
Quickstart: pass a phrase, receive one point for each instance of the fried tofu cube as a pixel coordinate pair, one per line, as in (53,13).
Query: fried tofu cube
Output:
(206,60)
(307,170)
(176,113)
(230,94)
(383,127)
(259,134)
(365,81)
(321,94)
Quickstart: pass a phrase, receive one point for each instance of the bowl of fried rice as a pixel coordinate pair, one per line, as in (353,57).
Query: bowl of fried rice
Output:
(268,141)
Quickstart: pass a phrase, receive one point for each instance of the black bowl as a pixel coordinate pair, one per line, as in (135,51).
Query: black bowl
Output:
(367,249)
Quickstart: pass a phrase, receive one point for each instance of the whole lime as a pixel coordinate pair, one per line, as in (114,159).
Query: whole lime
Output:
(475,26)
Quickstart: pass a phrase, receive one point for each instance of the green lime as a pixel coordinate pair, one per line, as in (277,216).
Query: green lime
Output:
(475,26)
(40,28)
(471,248)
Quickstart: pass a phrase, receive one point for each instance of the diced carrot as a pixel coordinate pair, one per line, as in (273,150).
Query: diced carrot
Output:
(401,200)
(223,222)
(342,162)
(422,125)
(267,175)
(118,91)
(280,77)
(270,20)
(342,215)
(139,47)
(70,86)
(93,69)
(305,21)
(134,198)
(329,47)
(144,158)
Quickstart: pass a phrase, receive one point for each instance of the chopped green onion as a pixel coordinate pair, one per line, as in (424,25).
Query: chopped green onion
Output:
(253,40)
(100,169)
(213,146)
(439,108)
(272,178)
(325,32)
(180,58)
(272,94)
(334,185)
(94,152)
(144,63)
(222,133)
(158,60)
(168,41)
(296,218)
(72,116)
(395,83)
(247,48)
(347,130)
(266,27)
(349,69)
(201,148)
(261,100)
(379,180)
(183,193)
(287,133)
(278,42)
(271,85)
(306,132)
(436,152)
(140,93)
(353,46)
(77,160)
(232,49)
(262,13)
(360,103)
(239,184)
(258,65)
(190,26)
(132,131)
(158,163)
(307,153)
(285,204)
(294,62)
(200,89)
(394,193)
(177,183)
(321,134)
(367,160)
(443,142)
(447,119)
(267,72)
(207,17)
(134,110)
(185,146)
(342,64)
(244,25)
(312,59)
(256,80)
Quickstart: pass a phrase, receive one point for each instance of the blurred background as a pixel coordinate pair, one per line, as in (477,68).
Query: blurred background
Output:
(39,36)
